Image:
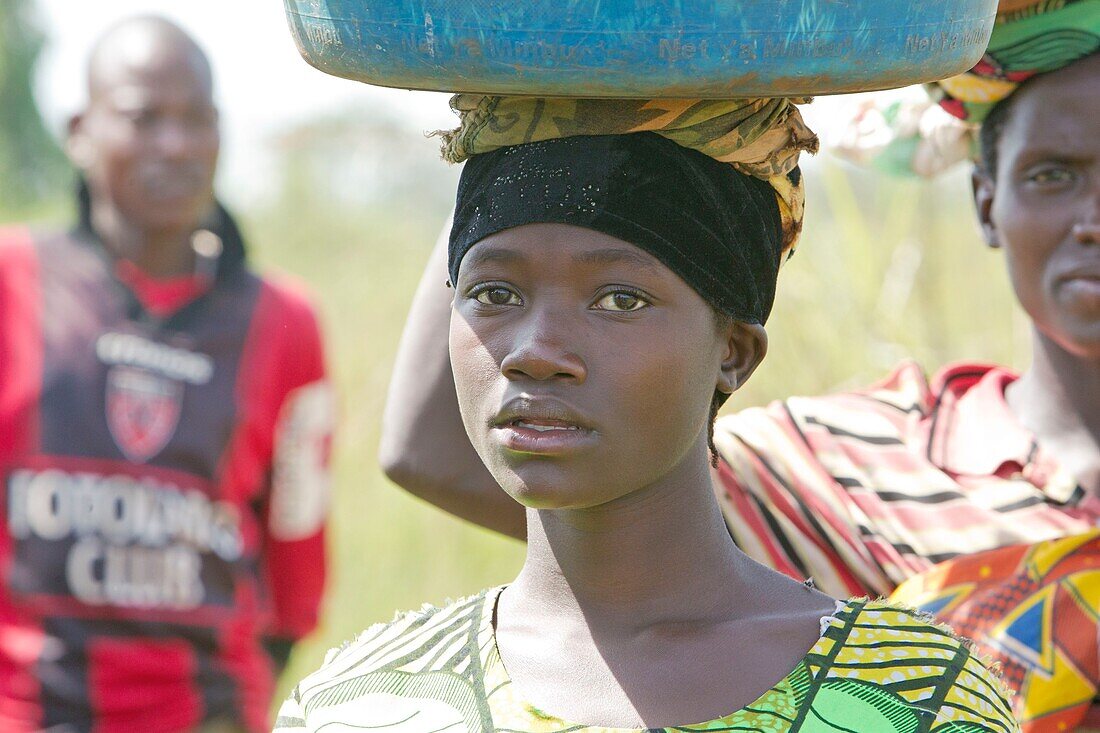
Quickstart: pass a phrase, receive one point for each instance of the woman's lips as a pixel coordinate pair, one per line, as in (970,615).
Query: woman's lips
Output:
(1084,283)
(542,437)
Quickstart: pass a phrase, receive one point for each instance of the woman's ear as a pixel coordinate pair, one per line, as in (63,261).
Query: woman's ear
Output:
(746,345)
(983,186)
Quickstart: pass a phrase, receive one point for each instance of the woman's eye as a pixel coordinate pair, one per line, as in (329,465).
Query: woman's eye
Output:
(621,302)
(1051,175)
(497,296)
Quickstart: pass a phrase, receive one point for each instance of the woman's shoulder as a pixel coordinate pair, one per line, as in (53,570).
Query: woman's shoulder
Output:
(884,406)
(899,663)
(424,663)
(411,635)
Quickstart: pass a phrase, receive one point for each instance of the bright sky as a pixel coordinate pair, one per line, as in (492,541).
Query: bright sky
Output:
(262,82)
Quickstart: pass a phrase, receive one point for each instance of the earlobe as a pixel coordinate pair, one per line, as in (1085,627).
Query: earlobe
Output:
(983,187)
(746,347)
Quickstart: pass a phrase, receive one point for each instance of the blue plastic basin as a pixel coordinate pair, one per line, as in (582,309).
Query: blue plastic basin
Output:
(642,48)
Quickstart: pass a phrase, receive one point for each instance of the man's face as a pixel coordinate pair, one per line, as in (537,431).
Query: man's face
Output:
(148,143)
(1043,208)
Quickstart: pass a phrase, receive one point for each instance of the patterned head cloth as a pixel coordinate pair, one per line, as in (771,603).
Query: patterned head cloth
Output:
(761,138)
(1031,37)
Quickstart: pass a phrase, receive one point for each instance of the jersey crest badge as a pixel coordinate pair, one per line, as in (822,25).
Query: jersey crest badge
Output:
(143,410)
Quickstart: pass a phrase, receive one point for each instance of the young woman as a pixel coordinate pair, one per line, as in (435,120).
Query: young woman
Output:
(609,292)
(957,482)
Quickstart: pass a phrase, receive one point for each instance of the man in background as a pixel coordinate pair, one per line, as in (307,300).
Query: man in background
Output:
(165,424)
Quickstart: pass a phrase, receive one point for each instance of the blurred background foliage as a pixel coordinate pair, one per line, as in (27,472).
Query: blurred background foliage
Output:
(32,166)
(888,269)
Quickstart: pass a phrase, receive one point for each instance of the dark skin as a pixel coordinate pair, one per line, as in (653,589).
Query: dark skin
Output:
(584,371)
(424,447)
(1043,211)
(147,143)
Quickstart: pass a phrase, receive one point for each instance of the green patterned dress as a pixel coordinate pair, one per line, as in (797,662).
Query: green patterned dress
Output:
(875,669)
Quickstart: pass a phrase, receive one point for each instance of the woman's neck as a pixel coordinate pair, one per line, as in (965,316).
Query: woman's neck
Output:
(1058,399)
(629,614)
(633,561)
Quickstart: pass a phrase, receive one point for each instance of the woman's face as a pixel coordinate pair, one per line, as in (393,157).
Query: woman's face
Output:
(584,367)
(1043,208)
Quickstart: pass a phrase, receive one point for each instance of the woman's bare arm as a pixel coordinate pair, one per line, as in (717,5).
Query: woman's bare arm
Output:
(424,446)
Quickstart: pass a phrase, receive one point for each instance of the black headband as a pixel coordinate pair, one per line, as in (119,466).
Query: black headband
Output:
(717,228)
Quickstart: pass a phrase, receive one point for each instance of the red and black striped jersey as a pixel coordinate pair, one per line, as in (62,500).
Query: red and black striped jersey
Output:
(165,488)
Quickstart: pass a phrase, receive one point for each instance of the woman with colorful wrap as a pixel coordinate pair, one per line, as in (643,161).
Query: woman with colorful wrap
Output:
(980,487)
(610,285)
(979,491)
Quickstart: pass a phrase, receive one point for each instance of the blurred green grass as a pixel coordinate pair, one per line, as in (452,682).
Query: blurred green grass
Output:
(887,269)
(388,550)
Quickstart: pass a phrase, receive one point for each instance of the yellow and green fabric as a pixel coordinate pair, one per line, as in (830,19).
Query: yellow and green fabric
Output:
(762,138)
(1035,610)
(875,669)
(1030,37)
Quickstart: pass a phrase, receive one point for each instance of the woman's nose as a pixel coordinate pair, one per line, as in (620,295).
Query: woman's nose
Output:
(544,351)
(1087,231)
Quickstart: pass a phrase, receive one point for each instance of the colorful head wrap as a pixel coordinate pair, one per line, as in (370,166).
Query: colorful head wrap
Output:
(761,138)
(1031,37)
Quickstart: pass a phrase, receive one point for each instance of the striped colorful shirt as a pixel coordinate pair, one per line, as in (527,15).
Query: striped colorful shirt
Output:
(863,490)
(874,669)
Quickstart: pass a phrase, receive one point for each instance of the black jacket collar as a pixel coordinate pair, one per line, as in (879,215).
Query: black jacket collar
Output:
(220,222)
